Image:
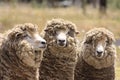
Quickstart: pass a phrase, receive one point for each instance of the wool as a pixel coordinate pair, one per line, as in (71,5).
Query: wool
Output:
(59,62)
(89,67)
(16,54)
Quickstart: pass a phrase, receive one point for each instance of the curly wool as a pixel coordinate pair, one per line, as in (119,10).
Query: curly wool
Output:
(88,67)
(14,51)
(58,63)
(56,24)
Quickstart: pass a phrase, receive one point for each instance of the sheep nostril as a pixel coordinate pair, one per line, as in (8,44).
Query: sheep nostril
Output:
(43,42)
(99,52)
(62,41)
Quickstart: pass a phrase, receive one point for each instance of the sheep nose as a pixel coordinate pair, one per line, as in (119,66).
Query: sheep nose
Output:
(61,41)
(99,52)
(43,42)
(39,41)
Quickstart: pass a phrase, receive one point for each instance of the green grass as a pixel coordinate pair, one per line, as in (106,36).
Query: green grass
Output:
(11,15)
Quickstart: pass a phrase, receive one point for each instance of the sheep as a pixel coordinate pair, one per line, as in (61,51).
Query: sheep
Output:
(21,51)
(97,56)
(59,57)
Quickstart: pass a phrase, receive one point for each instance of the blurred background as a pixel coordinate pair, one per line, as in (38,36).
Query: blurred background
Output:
(86,14)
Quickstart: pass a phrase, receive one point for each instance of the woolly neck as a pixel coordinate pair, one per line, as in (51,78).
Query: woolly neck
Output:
(58,62)
(12,64)
(67,51)
(84,71)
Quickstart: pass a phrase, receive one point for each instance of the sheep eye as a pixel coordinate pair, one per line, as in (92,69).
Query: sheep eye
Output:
(107,42)
(51,33)
(68,33)
(18,35)
(71,34)
(88,42)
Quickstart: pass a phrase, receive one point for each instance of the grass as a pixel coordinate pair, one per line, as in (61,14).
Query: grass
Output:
(16,14)
(10,15)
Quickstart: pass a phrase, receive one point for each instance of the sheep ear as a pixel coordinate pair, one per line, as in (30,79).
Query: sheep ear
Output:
(111,40)
(18,35)
(46,30)
(10,35)
(88,40)
(13,35)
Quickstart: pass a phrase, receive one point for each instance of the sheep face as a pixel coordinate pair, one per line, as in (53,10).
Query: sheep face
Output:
(97,48)
(28,44)
(99,42)
(61,35)
(36,41)
(60,32)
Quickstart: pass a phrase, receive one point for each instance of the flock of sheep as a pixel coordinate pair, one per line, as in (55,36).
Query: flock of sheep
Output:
(58,54)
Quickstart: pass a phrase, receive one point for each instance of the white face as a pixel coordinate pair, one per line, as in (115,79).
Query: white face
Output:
(61,38)
(36,41)
(38,44)
(100,46)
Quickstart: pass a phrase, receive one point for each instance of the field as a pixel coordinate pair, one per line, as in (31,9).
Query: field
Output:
(17,14)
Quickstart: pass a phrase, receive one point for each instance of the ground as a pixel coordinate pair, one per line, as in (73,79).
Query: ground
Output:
(14,14)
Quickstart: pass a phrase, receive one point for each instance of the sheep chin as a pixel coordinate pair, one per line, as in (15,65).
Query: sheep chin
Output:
(62,45)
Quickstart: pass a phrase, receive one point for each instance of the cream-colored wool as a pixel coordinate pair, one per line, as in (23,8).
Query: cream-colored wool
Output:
(97,69)
(59,62)
(110,49)
(18,59)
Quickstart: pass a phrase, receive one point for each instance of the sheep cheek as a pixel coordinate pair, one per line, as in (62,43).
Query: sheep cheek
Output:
(27,55)
(28,60)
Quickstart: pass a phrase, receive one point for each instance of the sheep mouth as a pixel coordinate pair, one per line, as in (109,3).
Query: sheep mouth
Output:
(62,44)
(40,48)
(99,56)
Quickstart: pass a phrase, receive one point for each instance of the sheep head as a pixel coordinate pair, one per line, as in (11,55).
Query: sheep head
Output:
(25,42)
(99,39)
(60,32)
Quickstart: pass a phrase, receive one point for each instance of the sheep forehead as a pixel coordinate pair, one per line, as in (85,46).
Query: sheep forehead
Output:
(30,27)
(100,35)
(65,26)
(53,23)
(63,29)
(23,29)
(14,31)
(99,32)
(57,29)
(60,23)
(100,40)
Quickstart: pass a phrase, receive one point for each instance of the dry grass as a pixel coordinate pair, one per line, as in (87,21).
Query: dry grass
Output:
(11,15)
